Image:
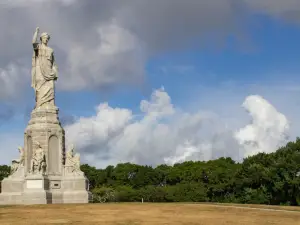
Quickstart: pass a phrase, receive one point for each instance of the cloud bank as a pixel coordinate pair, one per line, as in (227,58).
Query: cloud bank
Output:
(100,44)
(162,133)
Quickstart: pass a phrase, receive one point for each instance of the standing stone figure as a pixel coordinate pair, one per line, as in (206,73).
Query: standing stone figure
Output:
(44,71)
(17,163)
(38,161)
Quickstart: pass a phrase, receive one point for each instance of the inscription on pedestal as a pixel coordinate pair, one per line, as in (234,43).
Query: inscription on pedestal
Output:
(34,184)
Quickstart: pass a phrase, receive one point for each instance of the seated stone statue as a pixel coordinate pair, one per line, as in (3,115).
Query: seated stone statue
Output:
(72,161)
(38,161)
(17,163)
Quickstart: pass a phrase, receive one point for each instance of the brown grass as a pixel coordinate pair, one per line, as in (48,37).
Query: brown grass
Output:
(147,214)
(276,207)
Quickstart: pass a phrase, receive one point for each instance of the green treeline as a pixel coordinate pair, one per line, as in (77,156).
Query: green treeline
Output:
(260,179)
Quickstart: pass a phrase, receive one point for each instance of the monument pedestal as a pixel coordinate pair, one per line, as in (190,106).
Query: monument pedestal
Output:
(76,189)
(36,190)
(46,174)
(12,188)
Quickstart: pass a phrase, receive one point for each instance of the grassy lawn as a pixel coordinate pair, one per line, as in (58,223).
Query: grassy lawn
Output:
(148,214)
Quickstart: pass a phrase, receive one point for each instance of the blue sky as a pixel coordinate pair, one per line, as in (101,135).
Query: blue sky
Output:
(272,57)
(214,76)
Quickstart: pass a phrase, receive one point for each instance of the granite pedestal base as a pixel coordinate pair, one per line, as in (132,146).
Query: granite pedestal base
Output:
(45,190)
(12,190)
(76,190)
(36,190)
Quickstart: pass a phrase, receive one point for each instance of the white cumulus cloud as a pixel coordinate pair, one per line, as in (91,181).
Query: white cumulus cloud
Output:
(163,133)
(268,129)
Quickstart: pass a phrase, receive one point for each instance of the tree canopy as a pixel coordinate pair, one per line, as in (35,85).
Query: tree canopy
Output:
(260,179)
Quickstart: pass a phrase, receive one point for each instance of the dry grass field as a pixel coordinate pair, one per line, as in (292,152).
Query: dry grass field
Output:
(149,214)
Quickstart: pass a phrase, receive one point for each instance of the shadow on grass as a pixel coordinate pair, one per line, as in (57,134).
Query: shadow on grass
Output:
(7,206)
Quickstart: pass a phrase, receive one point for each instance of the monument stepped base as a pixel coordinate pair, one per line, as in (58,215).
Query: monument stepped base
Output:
(13,198)
(30,191)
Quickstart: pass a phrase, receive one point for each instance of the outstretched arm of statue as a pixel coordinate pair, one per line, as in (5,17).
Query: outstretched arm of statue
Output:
(35,38)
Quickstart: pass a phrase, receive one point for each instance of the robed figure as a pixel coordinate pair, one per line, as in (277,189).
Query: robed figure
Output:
(18,163)
(38,161)
(44,71)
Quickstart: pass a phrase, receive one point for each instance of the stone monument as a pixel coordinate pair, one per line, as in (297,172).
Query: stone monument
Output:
(45,173)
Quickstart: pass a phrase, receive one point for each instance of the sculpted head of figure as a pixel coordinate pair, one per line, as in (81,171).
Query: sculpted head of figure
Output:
(45,37)
(37,145)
